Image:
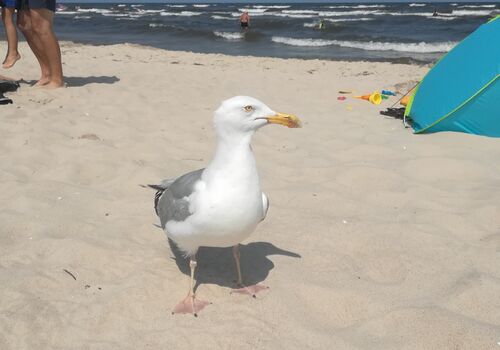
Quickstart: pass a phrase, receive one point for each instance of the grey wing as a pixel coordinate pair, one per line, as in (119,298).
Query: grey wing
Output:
(170,200)
(265,205)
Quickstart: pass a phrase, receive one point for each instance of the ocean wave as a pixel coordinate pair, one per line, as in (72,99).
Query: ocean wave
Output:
(149,11)
(299,11)
(157,25)
(443,18)
(182,13)
(83,17)
(67,12)
(370,45)
(329,13)
(337,20)
(222,17)
(454,13)
(253,10)
(229,35)
(271,6)
(115,14)
(471,13)
(291,15)
(94,10)
(357,6)
(476,6)
(201,5)
(177,6)
(347,13)
(417,5)
(349,19)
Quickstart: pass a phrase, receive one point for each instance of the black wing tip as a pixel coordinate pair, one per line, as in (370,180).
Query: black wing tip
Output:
(155,187)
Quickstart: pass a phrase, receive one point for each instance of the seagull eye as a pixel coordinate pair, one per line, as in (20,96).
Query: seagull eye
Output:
(248,108)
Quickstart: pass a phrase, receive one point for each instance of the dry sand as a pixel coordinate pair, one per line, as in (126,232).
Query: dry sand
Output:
(376,238)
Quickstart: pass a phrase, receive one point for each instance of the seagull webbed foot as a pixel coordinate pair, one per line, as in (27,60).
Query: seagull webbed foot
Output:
(190,305)
(249,290)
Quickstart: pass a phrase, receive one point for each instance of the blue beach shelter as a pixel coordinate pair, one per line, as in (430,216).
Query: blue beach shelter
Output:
(462,91)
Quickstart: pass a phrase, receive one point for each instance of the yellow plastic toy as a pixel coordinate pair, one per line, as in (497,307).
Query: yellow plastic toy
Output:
(374,98)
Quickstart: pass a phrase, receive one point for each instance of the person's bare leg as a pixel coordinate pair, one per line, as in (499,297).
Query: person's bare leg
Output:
(250,290)
(11,32)
(25,25)
(190,304)
(42,20)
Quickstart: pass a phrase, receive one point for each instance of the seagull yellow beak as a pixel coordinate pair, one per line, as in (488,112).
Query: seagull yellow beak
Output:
(288,120)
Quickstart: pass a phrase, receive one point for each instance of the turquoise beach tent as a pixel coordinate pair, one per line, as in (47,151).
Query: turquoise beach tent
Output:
(462,91)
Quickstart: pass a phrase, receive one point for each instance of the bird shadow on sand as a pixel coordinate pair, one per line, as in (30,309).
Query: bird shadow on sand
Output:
(217,265)
(82,81)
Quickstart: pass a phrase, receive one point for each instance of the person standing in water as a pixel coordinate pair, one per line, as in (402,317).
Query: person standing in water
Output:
(8,10)
(245,20)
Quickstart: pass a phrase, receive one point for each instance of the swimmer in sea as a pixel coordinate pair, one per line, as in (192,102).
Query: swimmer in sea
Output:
(245,20)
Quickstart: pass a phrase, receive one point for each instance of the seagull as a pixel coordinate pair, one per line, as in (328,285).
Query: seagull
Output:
(222,204)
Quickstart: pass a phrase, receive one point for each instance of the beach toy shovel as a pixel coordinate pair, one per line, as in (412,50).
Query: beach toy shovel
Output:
(374,98)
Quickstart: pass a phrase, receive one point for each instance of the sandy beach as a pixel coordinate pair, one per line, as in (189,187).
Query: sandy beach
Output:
(376,238)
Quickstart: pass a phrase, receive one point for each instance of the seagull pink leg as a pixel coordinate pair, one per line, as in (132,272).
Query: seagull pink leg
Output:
(249,290)
(190,305)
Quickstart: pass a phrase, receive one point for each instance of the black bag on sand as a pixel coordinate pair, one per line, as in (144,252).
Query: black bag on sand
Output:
(7,86)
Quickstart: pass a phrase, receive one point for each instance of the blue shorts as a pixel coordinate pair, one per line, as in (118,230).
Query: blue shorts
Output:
(36,4)
(9,3)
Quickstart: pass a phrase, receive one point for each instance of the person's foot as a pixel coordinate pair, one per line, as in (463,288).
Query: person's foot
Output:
(54,85)
(42,81)
(190,305)
(250,290)
(10,61)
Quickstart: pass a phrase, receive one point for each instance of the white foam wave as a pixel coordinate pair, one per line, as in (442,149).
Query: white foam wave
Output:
(310,13)
(357,6)
(347,13)
(471,13)
(83,17)
(157,25)
(253,10)
(417,5)
(291,15)
(149,11)
(182,13)
(222,17)
(177,6)
(115,14)
(137,5)
(101,11)
(370,45)
(121,5)
(271,6)
(349,19)
(299,11)
(201,5)
(441,16)
(336,20)
(229,35)
(477,6)
(67,13)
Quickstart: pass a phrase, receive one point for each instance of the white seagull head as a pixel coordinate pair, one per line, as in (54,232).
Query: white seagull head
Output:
(244,115)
